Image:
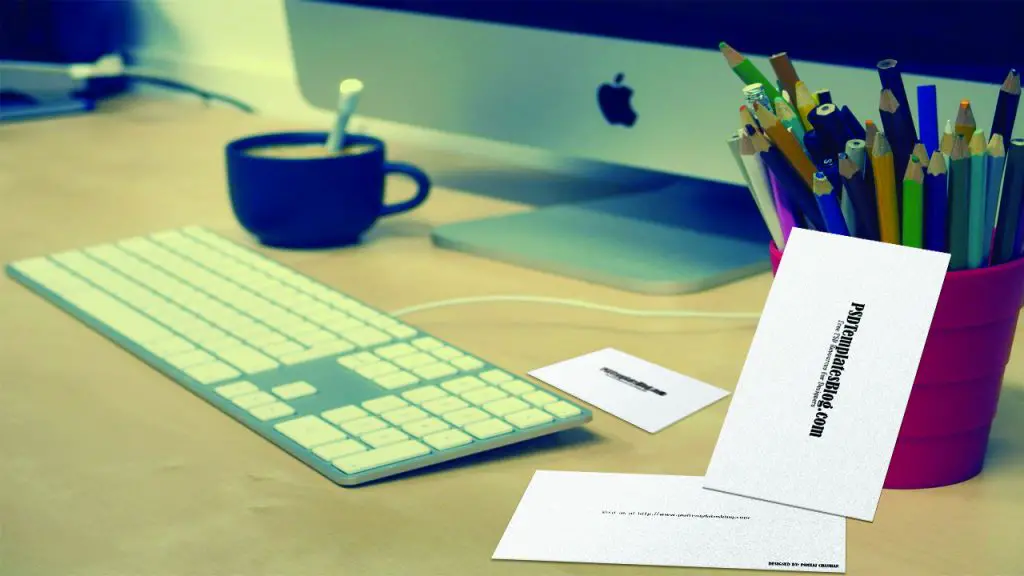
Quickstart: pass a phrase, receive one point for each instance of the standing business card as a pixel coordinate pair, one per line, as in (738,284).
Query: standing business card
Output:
(656,520)
(644,394)
(819,403)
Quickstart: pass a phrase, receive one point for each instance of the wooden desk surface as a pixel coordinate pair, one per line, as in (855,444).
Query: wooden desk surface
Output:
(108,468)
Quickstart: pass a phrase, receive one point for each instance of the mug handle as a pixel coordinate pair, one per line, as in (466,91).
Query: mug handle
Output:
(422,184)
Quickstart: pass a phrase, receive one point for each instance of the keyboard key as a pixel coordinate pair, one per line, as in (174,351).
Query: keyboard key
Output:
(341,325)
(190,358)
(273,411)
(363,426)
(309,431)
(495,376)
(466,416)
(366,336)
(322,350)
(539,398)
(529,418)
(236,389)
(247,359)
(396,380)
(403,415)
(384,404)
(377,369)
(353,361)
(282,349)
(254,399)
(344,414)
(212,372)
(338,449)
(448,439)
(443,405)
(437,370)
(427,343)
(118,316)
(446,353)
(562,409)
(506,406)
(384,437)
(517,387)
(293,390)
(225,343)
(401,331)
(169,346)
(421,428)
(315,337)
(488,428)
(467,363)
(423,394)
(464,384)
(415,360)
(391,454)
(481,396)
(394,351)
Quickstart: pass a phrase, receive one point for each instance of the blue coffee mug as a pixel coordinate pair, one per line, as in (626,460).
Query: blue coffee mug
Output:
(315,201)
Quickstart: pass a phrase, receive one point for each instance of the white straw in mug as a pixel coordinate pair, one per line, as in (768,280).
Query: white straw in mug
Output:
(348,98)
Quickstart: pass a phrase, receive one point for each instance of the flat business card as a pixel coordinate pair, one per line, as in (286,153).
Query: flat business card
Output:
(644,394)
(657,520)
(819,403)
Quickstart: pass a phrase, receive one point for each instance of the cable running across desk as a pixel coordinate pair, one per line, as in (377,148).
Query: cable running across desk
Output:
(576,304)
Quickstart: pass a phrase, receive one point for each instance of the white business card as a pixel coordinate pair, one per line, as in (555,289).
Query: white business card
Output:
(821,397)
(637,391)
(660,520)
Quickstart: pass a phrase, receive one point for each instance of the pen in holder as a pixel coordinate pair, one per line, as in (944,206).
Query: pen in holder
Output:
(953,402)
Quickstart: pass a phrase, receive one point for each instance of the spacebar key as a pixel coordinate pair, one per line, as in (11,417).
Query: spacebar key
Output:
(380,457)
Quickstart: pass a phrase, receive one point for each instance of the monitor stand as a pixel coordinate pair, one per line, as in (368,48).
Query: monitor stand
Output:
(686,236)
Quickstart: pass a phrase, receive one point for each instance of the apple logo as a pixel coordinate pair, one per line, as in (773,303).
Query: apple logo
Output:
(614,101)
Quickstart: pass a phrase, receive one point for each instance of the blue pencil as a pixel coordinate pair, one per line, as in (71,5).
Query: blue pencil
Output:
(995,160)
(936,204)
(828,203)
(928,117)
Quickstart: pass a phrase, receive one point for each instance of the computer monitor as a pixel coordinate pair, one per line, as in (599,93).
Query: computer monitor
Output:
(639,84)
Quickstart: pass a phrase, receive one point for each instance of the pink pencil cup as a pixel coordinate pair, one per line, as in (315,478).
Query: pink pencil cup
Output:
(946,426)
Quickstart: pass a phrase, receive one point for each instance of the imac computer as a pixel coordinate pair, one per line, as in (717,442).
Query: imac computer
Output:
(634,83)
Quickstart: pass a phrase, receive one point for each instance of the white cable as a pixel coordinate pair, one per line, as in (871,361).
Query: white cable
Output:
(578,304)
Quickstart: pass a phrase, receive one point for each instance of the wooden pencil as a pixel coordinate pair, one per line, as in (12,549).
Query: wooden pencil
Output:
(734,147)
(936,204)
(831,133)
(959,203)
(783,207)
(828,203)
(804,104)
(785,72)
(786,143)
(853,126)
(900,135)
(946,143)
(891,79)
(855,187)
(796,189)
(965,125)
(857,152)
(823,96)
(1006,106)
(995,160)
(913,205)
(1006,246)
(747,118)
(747,71)
(976,229)
(790,120)
(760,188)
(885,190)
(928,118)
(921,153)
(870,131)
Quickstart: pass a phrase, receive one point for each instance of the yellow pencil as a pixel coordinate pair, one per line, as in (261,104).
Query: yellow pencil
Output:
(804,103)
(787,143)
(885,190)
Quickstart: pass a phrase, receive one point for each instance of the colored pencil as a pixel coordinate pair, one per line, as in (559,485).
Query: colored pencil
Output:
(790,119)
(928,118)
(913,205)
(921,153)
(977,231)
(760,188)
(935,204)
(853,126)
(855,188)
(1006,106)
(885,190)
(946,144)
(734,147)
(804,104)
(828,124)
(965,125)
(783,207)
(791,182)
(1006,246)
(786,73)
(814,148)
(995,160)
(823,96)
(901,136)
(959,203)
(870,131)
(857,152)
(746,71)
(747,118)
(786,143)
(892,80)
(828,203)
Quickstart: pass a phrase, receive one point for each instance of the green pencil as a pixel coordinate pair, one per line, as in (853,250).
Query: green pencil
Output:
(978,234)
(749,74)
(913,204)
(959,203)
